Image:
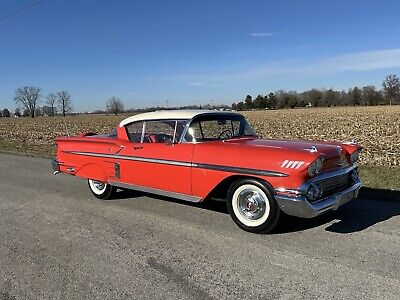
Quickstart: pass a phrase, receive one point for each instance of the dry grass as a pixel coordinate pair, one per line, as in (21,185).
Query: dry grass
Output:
(36,136)
(377,129)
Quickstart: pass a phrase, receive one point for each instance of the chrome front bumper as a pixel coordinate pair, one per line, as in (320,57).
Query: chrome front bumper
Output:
(295,202)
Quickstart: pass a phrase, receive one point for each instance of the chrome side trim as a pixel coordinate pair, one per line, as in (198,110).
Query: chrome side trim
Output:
(239,170)
(117,170)
(290,191)
(155,191)
(134,158)
(185,164)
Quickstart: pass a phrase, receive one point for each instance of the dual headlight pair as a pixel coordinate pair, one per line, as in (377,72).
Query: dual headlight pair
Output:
(316,166)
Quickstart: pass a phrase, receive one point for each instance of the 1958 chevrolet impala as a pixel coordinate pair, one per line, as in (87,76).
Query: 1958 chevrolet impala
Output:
(196,155)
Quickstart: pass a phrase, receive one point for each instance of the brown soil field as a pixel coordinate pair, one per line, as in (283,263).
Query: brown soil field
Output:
(377,129)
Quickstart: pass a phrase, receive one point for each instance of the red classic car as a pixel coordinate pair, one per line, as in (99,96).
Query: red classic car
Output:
(196,155)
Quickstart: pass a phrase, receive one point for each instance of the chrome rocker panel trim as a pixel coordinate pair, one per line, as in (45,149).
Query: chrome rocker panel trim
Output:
(155,191)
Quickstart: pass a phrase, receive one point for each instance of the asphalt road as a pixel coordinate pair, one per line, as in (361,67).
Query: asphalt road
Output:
(58,242)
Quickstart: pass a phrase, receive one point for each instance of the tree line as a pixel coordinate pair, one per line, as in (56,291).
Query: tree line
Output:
(28,99)
(367,95)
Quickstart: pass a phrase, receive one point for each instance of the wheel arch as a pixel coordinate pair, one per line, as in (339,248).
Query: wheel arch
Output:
(92,171)
(220,191)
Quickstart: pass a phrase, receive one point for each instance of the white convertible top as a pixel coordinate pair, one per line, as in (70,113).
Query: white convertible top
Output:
(170,114)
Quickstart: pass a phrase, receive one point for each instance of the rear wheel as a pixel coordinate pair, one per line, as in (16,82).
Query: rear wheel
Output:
(101,190)
(252,206)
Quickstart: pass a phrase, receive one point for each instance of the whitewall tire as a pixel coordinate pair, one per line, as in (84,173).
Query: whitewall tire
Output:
(101,190)
(252,206)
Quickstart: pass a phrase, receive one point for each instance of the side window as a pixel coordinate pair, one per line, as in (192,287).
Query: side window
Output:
(211,130)
(134,131)
(163,131)
(159,131)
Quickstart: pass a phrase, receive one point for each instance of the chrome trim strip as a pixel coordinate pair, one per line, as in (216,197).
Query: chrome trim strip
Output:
(239,170)
(176,125)
(143,130)
(117,170)
(156,191)
(186,164)
(135,158)
(289,191)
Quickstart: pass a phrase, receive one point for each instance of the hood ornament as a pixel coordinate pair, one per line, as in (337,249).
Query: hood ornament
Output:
(312,149)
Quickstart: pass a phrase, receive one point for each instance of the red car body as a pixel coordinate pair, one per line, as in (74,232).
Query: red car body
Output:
(194,170)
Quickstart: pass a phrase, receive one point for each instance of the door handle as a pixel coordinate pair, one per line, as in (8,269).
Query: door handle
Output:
(137,147)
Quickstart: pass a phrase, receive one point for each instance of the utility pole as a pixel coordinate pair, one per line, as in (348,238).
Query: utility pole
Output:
(167,103)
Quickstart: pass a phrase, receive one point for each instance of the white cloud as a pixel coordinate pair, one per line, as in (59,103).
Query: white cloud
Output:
(262,34)
(197,83)
(350,62)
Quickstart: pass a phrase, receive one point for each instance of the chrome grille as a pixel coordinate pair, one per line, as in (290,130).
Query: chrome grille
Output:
(335,184)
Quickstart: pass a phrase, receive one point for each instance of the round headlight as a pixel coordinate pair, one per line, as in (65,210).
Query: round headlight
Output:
(316,166)
(354,156)
(314,192)
(312,169)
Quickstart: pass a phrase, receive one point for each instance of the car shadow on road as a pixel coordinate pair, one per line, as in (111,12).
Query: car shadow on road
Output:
(372,207)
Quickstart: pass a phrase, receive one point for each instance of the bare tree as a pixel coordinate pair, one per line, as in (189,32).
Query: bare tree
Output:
(17,112)
(64,102)
(6,113)
(115,106)
(51,100)
(28,97)
(391,87)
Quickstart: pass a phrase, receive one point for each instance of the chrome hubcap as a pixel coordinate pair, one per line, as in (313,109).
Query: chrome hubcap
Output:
(251,204)
(98,185)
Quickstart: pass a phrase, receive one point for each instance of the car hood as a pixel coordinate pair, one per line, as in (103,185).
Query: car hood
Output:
(327,149)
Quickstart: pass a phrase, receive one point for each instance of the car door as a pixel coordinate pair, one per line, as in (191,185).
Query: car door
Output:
(159,161)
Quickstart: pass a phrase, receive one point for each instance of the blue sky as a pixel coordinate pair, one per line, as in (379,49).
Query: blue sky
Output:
(191,52)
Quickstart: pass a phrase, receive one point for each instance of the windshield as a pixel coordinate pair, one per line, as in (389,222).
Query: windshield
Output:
(218,127)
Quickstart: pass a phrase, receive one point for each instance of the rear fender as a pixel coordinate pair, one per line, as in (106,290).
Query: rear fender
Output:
(92,171)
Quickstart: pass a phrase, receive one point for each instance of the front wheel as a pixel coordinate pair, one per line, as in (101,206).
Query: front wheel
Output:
(252,206)
(101,190)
